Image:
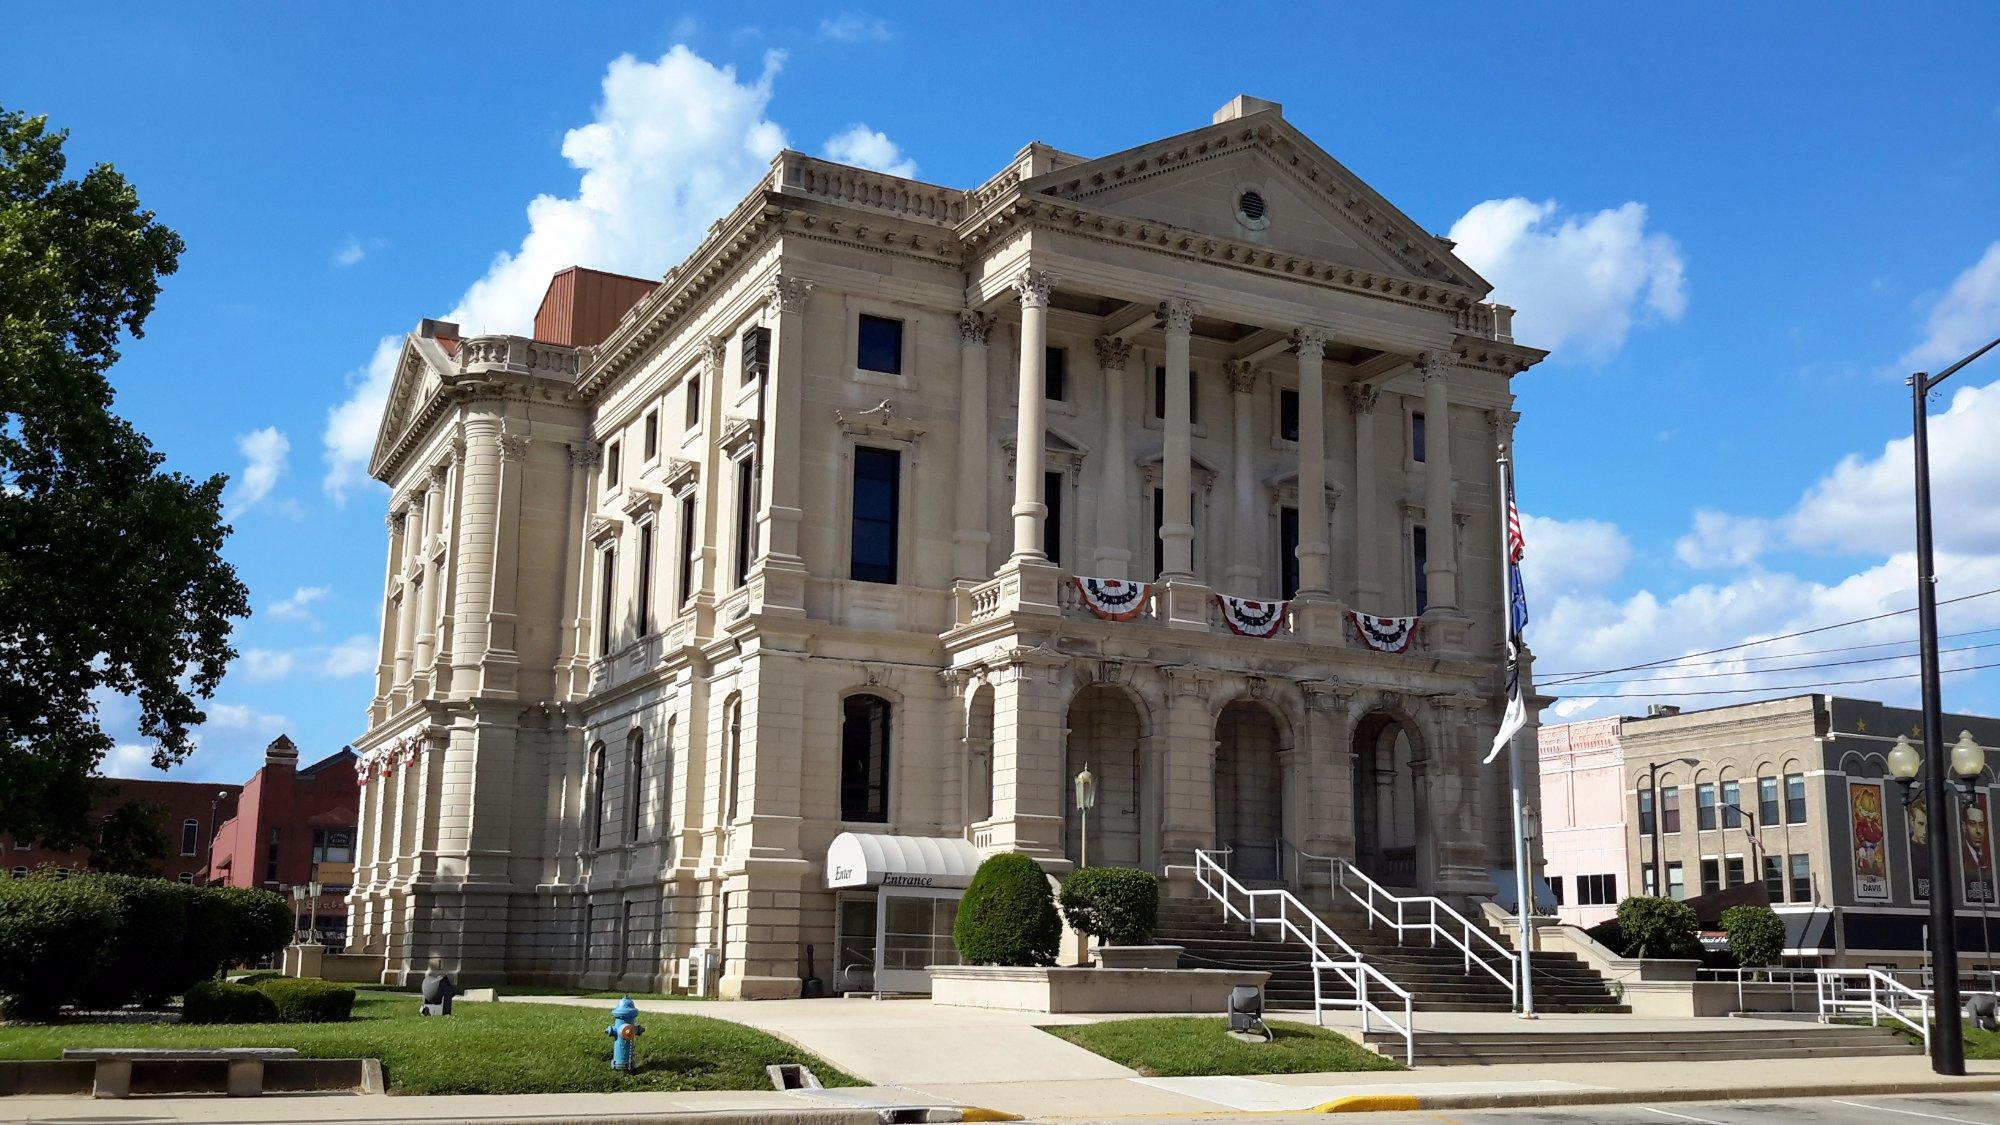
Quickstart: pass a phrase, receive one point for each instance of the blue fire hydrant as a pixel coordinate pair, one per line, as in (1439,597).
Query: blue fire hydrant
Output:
(623,1030)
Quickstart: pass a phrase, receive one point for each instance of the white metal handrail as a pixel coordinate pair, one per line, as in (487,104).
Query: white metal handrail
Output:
(1283,908)
(1875,994)
(1425,913)
(1769,977)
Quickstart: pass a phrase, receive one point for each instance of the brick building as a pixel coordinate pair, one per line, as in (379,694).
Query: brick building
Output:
(192,811)
(293,827)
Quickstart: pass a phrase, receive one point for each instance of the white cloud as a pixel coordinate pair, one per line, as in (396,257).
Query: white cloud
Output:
(266,664)
(674,144)
(265,453)
(354,656)
(296,606)
(1580,281)
(1722,541)
(1962,320)
(129,759)
(350,253)
(238,717)
(1571,556)
(855,27)
(866,148)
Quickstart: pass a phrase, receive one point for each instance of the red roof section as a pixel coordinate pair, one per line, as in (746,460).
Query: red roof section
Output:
(583,306)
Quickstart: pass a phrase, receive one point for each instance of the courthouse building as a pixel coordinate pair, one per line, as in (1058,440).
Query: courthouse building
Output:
(891,508)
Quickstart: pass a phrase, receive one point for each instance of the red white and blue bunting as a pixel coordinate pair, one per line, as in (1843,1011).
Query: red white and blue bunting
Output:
(1247,618)
(1113,599)
(1384,634)
(385,760)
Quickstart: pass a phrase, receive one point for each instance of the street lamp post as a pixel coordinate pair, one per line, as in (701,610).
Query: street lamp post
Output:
(1659,814)
(1948,1044)
(1086,799)
(1968,761)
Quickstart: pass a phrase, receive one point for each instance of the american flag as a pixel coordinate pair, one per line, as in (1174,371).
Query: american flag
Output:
(1516,714)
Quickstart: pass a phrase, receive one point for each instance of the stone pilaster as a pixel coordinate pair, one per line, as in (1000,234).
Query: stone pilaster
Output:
(1246,576)
(1114,551)
(1361,402)
(1441,569)
(971,538)
(1028,782)
(1031,426)
(780,572)
(1176,463)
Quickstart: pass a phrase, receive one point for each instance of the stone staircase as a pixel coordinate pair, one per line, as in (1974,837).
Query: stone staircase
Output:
(1772,1040)
(1435,975)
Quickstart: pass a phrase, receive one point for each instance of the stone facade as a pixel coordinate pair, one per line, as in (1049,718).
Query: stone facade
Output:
(789,553)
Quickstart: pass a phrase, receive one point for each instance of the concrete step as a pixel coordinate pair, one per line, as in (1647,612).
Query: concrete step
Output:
(1498,1048)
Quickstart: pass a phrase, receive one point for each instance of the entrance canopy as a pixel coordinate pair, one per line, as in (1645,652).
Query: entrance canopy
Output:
(858,859)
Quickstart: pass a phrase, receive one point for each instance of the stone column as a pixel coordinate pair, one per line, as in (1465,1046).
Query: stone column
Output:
(406,602)
(779,570)
(970,540)
(385,666)
(1177,456)
(1329,741)
(426,648)
(576,633)
(1246,577)
(1313,549)
(714,468)
(1114,551)
(1029,789)
(1187,735)
(1031,429)
(1441,567)
(1361,400)
(478,531)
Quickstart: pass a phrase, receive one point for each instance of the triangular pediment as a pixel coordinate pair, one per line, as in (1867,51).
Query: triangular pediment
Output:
(419,368)
(1313,206)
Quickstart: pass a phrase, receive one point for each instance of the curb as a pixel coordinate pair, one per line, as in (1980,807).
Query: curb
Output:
(1366,1103)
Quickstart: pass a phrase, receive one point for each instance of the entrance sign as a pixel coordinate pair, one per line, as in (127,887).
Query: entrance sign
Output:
(864,859)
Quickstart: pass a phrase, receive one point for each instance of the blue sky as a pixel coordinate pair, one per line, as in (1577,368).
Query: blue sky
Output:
(1737,228)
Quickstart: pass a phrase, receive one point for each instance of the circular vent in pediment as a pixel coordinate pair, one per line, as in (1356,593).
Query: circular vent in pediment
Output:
(1251,210)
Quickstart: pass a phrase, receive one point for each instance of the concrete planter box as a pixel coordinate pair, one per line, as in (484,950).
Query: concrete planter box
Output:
(1137,956)
(1062,989)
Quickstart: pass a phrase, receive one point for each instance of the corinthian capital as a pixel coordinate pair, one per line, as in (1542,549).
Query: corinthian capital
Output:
(1177,315)
(788,294)
(1310,340)
(973,327)
(1435,365)
(1361,398)
(713,351)
(1112,352)
(1034,287)
(1241,375)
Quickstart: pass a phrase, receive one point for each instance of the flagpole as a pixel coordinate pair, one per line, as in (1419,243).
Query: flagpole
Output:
(1523,902)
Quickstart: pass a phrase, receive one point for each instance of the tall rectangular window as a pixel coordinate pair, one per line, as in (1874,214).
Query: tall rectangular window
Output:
(651,429)
(1417,436)
(746,517)
(1288,552)
(1556,888)
(1774,877)
(636,789)
(1670,809)
(1704,806)
(1676,881)
(190,837)
(614,456)
(271,848)
(878,487)
(1052,528)
(1802,890)
(1160,396)
(1646,823)
(1288,414)
(1420,558)
(879,345)
(607,598)
(1055,374)
(693,404)
(646,578)
(685,584)
(1649,879)
(1159,548)
(1732,871)
(1711,875)
(1732,805)
(1767,801)
(597,795)
(1795,798)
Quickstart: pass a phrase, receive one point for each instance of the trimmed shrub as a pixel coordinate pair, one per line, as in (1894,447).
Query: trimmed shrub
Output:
(204,948)
(145,943)
(255,978)
(260,924)
(1008,916)
(1115,905)
(307,999)
(53,934)
(1756,935)
(1658,927)
(215,1001)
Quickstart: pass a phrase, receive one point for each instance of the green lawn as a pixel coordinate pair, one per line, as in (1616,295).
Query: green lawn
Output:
(1981,1044)
(1173,1046)
(481,1049)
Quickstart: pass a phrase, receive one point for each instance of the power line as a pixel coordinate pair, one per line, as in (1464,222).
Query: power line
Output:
(1594,682)
(1767,640)
(1782,687)
(1781,655)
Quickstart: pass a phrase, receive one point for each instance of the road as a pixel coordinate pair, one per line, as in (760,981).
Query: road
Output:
(1914,1109)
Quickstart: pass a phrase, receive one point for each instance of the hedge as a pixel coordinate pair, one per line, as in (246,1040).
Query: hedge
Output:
(215,1001)
(151,924)
(308,1000)
(53,935)
(1116,905)
(1756,934)
(1658,927)
(1007,916)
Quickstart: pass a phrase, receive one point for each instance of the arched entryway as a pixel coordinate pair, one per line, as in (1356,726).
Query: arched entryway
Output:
(979,755)
(1250,790)
(1105,731)
(1387,808)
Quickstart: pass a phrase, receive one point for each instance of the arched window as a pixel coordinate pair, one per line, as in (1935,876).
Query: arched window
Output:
(597,795)
(665,817)
(636,745)
(864,758)
(190,837)
(733,782)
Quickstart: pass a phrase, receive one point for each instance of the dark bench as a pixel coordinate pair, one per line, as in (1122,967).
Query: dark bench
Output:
(113,1075)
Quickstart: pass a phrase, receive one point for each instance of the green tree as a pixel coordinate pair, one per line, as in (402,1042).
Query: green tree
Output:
(1756,935)
(111,572)
(131,839)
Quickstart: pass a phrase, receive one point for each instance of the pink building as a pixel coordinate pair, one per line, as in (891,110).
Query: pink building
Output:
(1583,817)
